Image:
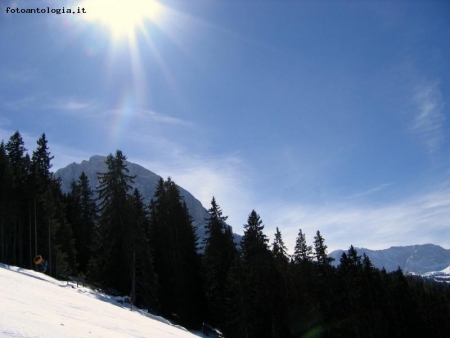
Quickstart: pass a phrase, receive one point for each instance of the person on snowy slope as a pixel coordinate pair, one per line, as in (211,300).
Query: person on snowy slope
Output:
(40,263)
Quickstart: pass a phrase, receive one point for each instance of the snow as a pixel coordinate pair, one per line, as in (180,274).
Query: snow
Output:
(36,305)
(439,276)
(446,270)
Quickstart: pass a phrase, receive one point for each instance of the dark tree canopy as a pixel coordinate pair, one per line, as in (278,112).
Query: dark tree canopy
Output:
(174,243)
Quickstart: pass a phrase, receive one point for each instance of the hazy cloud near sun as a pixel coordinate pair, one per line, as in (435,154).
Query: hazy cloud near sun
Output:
(226,177)
(151,115)
(429,116)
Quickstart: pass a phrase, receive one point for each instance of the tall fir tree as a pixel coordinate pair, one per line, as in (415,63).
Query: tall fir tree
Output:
(218,258)
(258,267)
(302,251)
(279,249)
(281,286)
(53,236)
(143,278)
(320,250)
(239,303)
(62,250)
(110,263)
(43,199)
(41,161)
(254,242)
(174,242)
(81,211)
(15,149)
(15,229)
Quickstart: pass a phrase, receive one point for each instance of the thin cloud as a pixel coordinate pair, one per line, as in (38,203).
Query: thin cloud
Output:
(42,101)
(146,116)
(370,191)
(25,102)
(429,118)
(163,118)
(70,105)
(226,177)
(422,218)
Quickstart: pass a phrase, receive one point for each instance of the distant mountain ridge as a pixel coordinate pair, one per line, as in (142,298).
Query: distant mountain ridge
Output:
(145,182)
(417,259)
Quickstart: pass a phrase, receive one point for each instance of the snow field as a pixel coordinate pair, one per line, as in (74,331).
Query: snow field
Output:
(33,304)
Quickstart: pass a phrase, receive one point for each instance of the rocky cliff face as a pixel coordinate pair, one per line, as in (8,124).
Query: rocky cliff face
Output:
(418,259)
(145,182)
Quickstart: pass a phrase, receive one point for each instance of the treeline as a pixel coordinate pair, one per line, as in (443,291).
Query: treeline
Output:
(251,290)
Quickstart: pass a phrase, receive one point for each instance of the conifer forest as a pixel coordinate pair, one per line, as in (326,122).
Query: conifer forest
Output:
(251,289)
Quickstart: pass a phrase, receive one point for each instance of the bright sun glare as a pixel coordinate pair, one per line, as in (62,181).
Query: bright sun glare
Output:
(122,17)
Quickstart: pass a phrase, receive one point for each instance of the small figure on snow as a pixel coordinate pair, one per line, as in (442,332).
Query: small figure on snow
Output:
(40,263)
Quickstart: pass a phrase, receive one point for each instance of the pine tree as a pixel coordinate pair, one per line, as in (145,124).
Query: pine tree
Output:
(15,149)
(15,228)
(41,162)
(238,303)
(281,287)
(258,268)
(220,252)
(53,237)
(62,249)
(81,213)
(279,249)
(321,250)
(302,252)
(110,264)
(177,264)
(143,277)
(43,198)
(35,204)
(254,242)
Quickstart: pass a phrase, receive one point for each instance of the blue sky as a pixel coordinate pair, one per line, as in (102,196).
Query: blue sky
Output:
(320,115)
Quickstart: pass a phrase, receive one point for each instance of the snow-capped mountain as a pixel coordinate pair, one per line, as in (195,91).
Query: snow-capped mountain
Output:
(417,259)
(145,182)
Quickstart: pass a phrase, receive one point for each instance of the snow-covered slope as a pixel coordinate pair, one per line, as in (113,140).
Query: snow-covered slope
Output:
(34,305)
(145,181)
(418,259)
(439,276)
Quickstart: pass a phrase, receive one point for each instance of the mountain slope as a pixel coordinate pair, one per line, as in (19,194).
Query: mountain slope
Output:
(36,305)
(439,276)
(418,259)
(145,181)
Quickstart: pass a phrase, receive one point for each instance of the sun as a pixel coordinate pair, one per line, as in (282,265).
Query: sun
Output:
(123,18)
